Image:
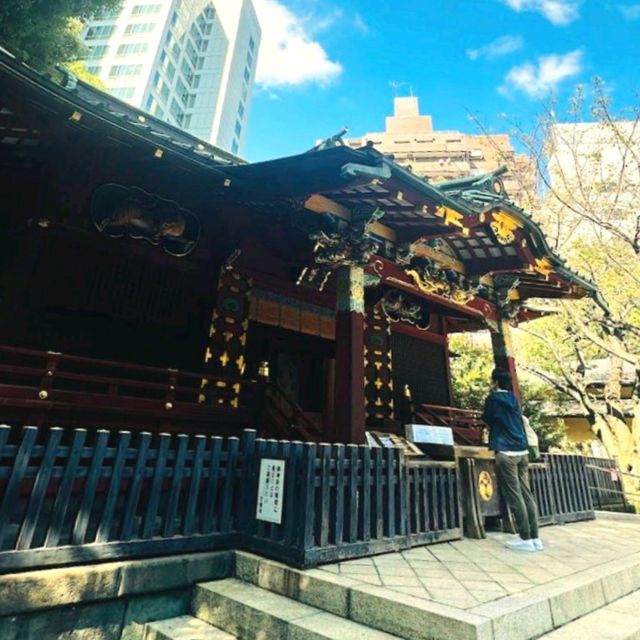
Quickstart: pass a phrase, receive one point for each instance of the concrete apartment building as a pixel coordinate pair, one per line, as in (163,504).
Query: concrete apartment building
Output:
(191,63)
(445,155)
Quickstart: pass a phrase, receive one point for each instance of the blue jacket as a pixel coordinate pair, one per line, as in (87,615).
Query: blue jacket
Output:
(502,414)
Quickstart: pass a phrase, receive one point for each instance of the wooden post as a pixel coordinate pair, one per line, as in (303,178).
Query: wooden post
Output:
(503,353)
(349,422)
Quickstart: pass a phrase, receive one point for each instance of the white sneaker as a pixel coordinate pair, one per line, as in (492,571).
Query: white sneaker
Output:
(537,543)
(518,544)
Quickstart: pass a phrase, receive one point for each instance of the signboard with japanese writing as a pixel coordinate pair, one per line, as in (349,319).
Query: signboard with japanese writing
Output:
(270,491)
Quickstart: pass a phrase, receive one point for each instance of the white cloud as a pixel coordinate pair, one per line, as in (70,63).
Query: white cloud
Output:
(558,12)
(542,78)
(629,11)
(499,47)
(289,54)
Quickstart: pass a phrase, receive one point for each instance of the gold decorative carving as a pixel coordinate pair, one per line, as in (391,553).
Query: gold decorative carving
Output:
(450,216)
(503,226)
(485,485)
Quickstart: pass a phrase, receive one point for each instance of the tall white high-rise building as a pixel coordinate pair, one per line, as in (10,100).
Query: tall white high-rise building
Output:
(191,63)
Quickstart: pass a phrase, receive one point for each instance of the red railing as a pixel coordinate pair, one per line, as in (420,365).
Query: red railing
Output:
(43,387)
(467,424)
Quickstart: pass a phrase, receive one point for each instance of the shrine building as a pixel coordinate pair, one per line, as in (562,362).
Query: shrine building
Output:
(154,282)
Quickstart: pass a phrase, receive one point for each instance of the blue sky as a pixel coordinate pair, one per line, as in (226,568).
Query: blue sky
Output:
(328,63)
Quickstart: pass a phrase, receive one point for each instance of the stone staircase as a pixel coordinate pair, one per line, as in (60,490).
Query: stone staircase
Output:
(270,601)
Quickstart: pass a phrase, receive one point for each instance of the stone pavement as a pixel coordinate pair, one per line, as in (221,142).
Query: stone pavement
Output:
(468,573)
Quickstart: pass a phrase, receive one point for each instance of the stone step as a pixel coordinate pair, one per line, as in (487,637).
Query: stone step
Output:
(183,628)
(252,613)
(619,620)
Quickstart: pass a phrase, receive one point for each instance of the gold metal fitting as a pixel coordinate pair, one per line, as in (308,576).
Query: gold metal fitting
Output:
(263,370)
(42,394)
(407,392)
(168,406)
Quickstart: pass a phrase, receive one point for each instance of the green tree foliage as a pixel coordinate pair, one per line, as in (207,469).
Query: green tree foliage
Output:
(471,366)
(40,31)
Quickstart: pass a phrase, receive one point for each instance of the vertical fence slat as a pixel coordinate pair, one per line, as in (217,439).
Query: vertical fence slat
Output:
(307,495)
(194,485)
(151,513)
(426,472)
(292,480)
(365,453)
(338,454)
(403,491)
(248,476)
(94,473)
(352,500)
(229,484)
(379,492)
(324,453)
(30,522)
(20,463)
(390,515)
(435,502)
(284,449)
(108,512)
(133,493)
(61,503)
(177,473)
(213,478)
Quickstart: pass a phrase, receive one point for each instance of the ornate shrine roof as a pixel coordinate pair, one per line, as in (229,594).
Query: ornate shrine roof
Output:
(469,227)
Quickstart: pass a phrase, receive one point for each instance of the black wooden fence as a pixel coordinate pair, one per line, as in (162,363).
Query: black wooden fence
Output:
(77,496)
(561,487)
(606,484)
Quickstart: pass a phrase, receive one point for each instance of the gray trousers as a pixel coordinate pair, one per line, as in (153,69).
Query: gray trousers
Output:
(513,478)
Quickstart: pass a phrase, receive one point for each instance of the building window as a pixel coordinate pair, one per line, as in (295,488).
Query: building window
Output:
(164,92)
(150,103)
(142,27)
(100,32)
(238,128)
(196,82)
(132,49)
(182,91)
(125,70)
(240,110)
(252,44)
(191,101)
(247,74)
(209,12)
(107,15)
(94,69)
(174,19)
(97,51)
(171,72)
(199,64)
(234,146)
(207,29)
(186,71)
(124,93)
(187,121)
(249,59)
(146,9)
(158,111)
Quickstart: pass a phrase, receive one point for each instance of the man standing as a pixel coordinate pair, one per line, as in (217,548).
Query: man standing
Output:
(508,439)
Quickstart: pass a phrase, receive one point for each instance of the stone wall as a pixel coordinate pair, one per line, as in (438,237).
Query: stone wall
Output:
(109,601)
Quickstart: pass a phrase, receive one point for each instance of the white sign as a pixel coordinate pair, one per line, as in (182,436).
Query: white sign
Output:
(427,434)
(270,491)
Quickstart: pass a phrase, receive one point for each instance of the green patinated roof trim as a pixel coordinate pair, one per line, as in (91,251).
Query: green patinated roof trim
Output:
(441,193)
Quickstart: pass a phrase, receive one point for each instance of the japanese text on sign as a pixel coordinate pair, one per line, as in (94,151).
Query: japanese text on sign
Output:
(270,491)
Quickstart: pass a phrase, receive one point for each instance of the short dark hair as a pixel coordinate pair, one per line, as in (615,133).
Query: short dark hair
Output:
(502,378)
